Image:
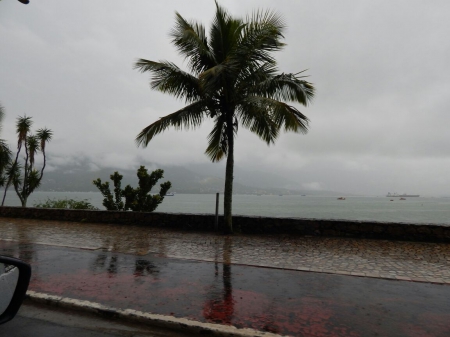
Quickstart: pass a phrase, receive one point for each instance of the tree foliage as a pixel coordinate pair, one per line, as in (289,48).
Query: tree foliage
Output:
(66,204)
(112,202)
(234,80)
(136,199)
(5,153)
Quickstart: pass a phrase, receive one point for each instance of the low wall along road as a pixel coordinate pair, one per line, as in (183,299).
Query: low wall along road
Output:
(244,224)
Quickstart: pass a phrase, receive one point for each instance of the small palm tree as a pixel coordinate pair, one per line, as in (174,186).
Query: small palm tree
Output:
(234,80)
(25,184)
(44,135)
(23,126)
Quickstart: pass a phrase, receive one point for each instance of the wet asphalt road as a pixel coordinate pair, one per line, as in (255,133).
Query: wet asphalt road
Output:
(282,301)
(35,320)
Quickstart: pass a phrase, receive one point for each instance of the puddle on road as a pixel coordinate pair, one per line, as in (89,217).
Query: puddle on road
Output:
(280,301)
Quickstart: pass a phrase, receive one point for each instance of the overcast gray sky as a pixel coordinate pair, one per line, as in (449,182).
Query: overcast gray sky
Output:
(379,121)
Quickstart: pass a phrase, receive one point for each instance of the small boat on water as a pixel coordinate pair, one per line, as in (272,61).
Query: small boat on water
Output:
(341,198)
(170,194)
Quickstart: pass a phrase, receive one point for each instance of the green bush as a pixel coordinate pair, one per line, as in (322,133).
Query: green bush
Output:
(66,203)
(136,199)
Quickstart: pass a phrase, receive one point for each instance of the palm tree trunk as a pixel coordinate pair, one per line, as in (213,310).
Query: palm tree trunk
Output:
(6,190)
(43,166)
(27,170)
(228,193)
(21,198)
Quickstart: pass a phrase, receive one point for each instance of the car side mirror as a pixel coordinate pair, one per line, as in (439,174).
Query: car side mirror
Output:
(14,279)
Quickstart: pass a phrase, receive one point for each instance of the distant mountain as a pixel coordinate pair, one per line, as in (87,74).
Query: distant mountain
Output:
(254,178)
(191,179)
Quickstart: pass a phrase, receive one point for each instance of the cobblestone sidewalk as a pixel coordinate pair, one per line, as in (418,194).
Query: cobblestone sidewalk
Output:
(424,262)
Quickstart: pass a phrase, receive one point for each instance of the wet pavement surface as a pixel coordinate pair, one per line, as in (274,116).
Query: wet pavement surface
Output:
(131,267)
(282,301)
(417,261)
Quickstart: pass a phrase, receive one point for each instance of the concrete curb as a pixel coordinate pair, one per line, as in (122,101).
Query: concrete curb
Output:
(167,322)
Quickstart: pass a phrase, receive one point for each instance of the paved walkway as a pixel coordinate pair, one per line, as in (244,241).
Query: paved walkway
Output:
(422,262)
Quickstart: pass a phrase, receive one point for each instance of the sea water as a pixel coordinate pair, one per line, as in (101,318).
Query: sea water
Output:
(411,210)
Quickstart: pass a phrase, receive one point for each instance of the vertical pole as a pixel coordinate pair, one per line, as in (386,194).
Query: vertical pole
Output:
(216,224)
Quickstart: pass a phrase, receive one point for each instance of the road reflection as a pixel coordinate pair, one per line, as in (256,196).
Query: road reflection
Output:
(109,262)
(145,268)
(219,308)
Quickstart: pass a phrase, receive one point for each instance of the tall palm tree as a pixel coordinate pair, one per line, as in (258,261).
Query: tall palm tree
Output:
(234,80)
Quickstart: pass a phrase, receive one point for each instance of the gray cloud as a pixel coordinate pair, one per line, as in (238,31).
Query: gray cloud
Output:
(378,122)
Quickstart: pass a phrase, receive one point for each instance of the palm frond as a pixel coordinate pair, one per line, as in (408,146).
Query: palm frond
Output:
(282,115)
(2,114)
(168,78)
(188,117)
(23,126)
(191,41)
(13,173)
(44,135)
(251,78)
(5,156)
(4,148)
(33,147)
(261,35)
(34,180)
(255,116)
(224,34)
(286,87)
(211,80)
(261,20)
(217,140)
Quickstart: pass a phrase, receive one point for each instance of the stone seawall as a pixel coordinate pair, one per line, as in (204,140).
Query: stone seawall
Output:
(245,224)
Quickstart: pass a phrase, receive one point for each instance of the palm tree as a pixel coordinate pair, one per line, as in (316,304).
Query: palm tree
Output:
(44,136)
(25,184)
(5,152)
(234,80)
(23,126)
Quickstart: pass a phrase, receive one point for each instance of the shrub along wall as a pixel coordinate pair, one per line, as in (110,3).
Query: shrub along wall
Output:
(245,224)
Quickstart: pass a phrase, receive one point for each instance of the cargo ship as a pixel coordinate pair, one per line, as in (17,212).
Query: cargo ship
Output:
(404,195)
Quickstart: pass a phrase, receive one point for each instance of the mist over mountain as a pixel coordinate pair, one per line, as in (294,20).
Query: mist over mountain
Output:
(191,178)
